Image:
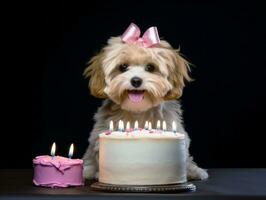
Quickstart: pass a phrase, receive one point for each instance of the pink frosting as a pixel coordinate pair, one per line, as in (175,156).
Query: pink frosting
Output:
(58,171)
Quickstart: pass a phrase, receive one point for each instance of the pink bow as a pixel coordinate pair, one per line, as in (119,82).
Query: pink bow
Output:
(149,38)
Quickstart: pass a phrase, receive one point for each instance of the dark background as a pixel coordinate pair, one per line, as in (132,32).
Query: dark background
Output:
(224,108)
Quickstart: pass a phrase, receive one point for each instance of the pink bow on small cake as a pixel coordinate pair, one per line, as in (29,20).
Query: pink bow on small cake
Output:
(149,38)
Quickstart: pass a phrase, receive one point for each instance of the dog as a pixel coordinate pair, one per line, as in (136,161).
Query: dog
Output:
(140,78)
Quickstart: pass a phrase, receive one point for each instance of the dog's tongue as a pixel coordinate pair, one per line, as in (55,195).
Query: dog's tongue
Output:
(136,96)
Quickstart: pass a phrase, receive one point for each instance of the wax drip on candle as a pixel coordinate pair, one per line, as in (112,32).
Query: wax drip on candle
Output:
(174,127)
(146,126)
(150,126)
(53,150)
(136,125)
(128,126)
(111,126)
(164,126)
(158,127)
(71,150)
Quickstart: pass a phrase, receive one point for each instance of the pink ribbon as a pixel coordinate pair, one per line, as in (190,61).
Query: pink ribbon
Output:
(149,38)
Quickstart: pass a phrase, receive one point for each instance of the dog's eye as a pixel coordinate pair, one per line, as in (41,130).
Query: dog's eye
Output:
(123,67)
(149,68)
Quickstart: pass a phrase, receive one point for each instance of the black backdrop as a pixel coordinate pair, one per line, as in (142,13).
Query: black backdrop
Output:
(224,108)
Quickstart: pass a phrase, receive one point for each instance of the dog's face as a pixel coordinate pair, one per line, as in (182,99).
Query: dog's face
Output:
(135,77)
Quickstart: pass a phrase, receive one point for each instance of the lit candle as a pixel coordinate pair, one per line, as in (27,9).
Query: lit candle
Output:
(71,150)
(136,125)
(53,150)
(174,127)
(111,126)
(128,126)
(118,125)
(121,126)
(164,126)
(146,126)
(158,125)
(150,126)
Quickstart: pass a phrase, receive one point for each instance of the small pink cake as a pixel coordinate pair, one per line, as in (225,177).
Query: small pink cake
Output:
(57,171)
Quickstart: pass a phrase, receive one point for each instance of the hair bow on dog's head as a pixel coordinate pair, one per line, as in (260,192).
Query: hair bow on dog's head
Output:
(149,38)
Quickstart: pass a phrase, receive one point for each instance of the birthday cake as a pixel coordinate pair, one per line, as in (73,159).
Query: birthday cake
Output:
(57,171)
(142,157)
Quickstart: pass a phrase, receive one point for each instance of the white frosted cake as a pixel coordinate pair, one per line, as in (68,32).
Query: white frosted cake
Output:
(142,157)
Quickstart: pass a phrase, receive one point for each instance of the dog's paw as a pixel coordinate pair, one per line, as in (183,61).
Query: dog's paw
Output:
(196,173)
(89,172)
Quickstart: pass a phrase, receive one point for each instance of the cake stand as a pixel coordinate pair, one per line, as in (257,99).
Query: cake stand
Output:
(168,188)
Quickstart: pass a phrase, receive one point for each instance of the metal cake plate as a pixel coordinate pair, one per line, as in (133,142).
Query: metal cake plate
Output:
(169,188)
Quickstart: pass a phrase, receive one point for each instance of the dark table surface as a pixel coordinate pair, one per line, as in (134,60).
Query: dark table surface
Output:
(222,184)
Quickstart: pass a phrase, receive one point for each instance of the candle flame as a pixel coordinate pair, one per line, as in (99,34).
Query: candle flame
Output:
(136,125)
(146,126)
(158,124)
(128,126)
(71,150)
(150,126)
(111,125)
(164,126)
(174,126)
(121,125)
(53,149)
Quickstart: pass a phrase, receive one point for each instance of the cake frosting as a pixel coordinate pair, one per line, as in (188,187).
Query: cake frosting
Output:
(142,157)
(57,171)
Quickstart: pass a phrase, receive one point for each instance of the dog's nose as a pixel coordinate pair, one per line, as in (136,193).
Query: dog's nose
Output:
(136,81)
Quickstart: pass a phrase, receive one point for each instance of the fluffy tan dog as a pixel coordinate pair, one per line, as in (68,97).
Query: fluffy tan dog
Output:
(137,83)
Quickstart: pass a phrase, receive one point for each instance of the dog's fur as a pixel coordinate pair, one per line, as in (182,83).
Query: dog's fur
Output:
(161,87)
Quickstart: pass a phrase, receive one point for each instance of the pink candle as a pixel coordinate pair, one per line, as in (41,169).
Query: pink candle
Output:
(57,171)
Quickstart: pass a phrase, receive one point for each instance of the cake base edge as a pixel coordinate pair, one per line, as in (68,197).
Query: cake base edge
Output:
(167,188)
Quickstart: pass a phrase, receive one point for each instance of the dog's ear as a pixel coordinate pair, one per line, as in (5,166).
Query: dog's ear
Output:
(178,75)
(95,72)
